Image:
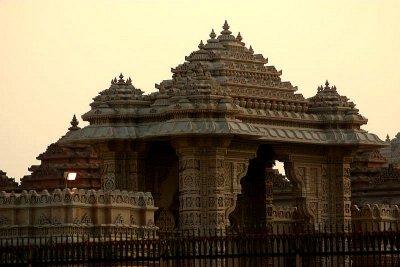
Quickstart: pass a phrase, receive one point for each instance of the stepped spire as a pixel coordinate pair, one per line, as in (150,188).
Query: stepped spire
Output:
(225,28)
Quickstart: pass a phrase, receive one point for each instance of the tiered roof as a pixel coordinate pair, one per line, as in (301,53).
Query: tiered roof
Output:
(6,183)
(224,88)
(59,158)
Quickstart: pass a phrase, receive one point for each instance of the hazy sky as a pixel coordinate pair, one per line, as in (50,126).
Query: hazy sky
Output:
(56,56)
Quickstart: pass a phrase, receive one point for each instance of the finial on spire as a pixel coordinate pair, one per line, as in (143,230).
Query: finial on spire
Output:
(326,84)
(251,49)
(212,34)
(74,121)
(225,28)
(115,79)
(129,81)
(74,124)
(121,78)
(387,138)
(239,37)
(201,45)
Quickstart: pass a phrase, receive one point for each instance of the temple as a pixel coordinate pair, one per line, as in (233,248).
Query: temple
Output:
(204,146)
(57,160)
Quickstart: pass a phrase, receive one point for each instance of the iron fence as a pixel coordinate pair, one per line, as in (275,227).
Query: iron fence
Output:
(206,248)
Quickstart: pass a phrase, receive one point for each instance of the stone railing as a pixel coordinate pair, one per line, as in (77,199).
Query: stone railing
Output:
(376,217)
(74,211)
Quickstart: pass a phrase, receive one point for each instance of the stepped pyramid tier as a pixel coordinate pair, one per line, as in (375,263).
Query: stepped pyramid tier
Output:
(335,107)
(223,88)
(392,151)
(366,166)
(120,100)
(6,183)
(382,188)
(60,158)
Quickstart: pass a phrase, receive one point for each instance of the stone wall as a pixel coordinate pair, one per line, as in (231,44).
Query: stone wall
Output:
(375,217)
(64,212)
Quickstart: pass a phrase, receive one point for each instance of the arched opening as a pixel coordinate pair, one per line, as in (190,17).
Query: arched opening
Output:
(162,180)
(251,208)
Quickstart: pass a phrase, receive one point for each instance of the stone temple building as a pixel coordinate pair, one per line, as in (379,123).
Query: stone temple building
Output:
(204,145)
(58,159)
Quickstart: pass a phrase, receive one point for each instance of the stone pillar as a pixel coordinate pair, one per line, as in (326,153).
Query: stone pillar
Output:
(322,183)
(269,192)
(210,170)
(122,166)
(215,189)
(190,183)
(108,171)
(307,172)
(340,191)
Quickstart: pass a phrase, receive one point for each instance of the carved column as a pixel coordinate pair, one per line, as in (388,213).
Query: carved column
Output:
(108,171)
(209,181)
(269,191)
(190,182)
(307,172)
(322,182)
(121,168)
(340,191)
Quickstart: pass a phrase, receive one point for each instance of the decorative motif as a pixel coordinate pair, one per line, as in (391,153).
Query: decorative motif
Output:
(109,182)
(86,219)
(165,220)
(43,220)
(4,221)
(119,220)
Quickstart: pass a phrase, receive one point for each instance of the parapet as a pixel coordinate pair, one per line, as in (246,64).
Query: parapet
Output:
(63,211)
(376,217)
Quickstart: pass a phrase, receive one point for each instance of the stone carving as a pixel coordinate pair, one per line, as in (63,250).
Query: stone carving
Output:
(43,220)
(222,95)
(4,221)
(166,220)
(119,220)
(108,182)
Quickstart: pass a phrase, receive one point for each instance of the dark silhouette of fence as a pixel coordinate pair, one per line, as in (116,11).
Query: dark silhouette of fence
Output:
(206,248)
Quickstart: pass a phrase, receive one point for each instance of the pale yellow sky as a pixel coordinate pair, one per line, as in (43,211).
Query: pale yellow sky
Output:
(56,56)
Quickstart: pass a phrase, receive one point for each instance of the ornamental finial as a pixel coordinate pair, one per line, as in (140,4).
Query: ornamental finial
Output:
(225,28)
(121,78)
(201,45)
(251,49)
(129,81)
(326,84)
(239,37)
(212,34)
(74,121)
(74,124)
(387,138)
